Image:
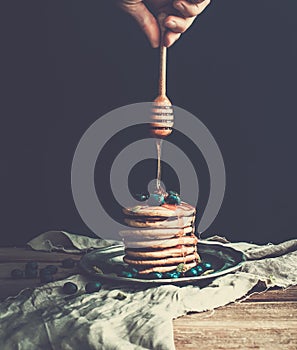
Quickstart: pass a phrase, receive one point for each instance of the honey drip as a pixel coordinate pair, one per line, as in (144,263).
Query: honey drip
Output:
(159,188)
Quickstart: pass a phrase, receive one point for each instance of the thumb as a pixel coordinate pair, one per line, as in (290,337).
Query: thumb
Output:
(145,19)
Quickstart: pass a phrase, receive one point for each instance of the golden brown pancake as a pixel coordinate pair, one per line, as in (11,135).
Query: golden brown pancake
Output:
(162,238)
(173,222)
(164,210)
(162,243)
(166,268)
(160,253)
(160,262)
(160,233)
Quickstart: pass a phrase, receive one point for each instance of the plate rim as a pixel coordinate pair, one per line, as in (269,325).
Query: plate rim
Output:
(161,281)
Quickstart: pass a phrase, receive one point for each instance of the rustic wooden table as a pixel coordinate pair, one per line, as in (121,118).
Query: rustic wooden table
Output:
(263,321)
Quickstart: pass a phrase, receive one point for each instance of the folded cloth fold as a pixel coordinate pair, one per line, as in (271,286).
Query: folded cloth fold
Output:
(131,318)
(67,242)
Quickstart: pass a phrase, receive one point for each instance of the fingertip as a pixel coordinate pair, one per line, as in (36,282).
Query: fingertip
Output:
(170,38)
(153,38)
(155,42)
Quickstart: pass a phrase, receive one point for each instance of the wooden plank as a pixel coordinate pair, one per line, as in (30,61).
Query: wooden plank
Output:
(20,254)
(11,287)
(12,258)
(240,326)
(275,294)
(6,268)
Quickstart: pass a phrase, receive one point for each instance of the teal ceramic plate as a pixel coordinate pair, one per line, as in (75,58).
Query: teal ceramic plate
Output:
(110,260)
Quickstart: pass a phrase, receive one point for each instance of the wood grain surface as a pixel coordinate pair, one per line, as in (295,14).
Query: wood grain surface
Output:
(265,320)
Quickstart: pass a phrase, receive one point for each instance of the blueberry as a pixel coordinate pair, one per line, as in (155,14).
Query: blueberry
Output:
(17,273)
(157,275)
(127,274)
(173,193)
(172,199)
(52,269)
(206,265)
(156,199)
(31,273)
(46,278)
(192,272)
(45,271)
(31,265)
(173,274)
(142,197)
(152,275)
(199,269)
(93,286)
(68,263)
(70,288)
(133,271)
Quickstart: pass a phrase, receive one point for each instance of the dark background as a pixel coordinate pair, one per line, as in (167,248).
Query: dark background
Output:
(65,63)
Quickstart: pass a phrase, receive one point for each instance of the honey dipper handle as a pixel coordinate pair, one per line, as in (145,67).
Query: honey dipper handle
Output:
(163,56)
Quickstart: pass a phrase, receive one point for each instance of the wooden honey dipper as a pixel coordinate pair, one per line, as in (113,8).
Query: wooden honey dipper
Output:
(162,111)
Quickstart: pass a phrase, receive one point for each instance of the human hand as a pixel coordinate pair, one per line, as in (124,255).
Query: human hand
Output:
(180,14)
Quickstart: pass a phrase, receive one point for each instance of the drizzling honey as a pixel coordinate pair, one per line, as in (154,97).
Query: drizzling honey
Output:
(159,188)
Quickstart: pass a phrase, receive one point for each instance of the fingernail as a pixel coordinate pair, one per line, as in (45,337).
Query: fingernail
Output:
(171,24)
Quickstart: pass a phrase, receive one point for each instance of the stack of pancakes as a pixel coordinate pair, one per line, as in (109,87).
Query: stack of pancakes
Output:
(161,238)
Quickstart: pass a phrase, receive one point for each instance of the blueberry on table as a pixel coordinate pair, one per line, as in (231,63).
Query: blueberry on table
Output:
(31,265)
(17,273)
(68,263)
(31,273)
(156,199)
(92,287)
(46,278)
(70,288)
(45,271)
(51,268)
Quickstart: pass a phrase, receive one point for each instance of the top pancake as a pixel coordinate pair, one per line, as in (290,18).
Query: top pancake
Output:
(164,210)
